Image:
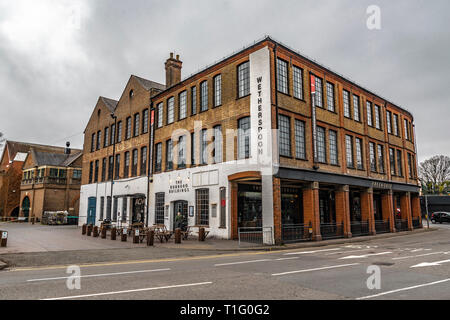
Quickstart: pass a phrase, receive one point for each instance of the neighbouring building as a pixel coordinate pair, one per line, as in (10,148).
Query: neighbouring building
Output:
(50,182)
(243,146)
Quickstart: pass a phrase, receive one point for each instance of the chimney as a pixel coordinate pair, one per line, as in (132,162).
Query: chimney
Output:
(173,70)
(67,149)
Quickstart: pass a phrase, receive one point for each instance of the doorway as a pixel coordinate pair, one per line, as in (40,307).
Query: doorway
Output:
(182,207)
(26,207)
(138,208)
(92,203)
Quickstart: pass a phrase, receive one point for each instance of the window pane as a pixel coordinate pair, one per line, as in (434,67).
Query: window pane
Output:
(321,152)
(158,157)
(218,144)
(373,161)
(282,76)
(203,96)
(284,135)
(181,152)
(392,160)
(319,93)
(202,206)
(136,124)
(160,114)
(388,121)
(359,154)
(159,208)
(128,129)
(377,117)
(217,90)
(170,110)
(300,152)
(143,160)
(330,96)
(244,138)
(244,79)
(399,163)
(356,108)
(346,98)
(194,100)
(349,151)
(298,82)
(182,98)
(145,121)
(380,158)
(333,147)
(169,155)
(203,146)
(369,113)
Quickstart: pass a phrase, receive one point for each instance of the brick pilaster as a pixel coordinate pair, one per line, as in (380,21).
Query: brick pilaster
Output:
(343,209)
(277,210)
(405,208)
(234,210)
(387,209)
(367,213)
(311,209)
(415,207)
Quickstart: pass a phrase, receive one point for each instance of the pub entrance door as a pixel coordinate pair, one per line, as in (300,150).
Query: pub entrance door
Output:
(182,207)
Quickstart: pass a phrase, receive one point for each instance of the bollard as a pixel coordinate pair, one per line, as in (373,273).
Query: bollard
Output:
(95,232)
(4,240)
(136,236)
(150,237)
(83,228)
(177,235)
(124,235)
(103,233)
(113,233)
(201,234)
(89,230)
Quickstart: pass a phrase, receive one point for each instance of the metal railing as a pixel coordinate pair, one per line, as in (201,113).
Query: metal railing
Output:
(382,226)
(255,236)
(359,228)
(401,224)
(416,223)
(295,232)
(332,230)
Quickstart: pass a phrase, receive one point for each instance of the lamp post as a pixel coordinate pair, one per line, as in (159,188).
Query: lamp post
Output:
(113,134)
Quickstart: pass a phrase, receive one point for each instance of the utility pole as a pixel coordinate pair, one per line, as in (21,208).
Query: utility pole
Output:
(426,209)
(113,134)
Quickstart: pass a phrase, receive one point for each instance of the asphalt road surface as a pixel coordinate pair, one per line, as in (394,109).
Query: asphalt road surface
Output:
(413,266)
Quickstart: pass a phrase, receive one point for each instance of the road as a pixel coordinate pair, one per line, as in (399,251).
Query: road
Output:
(415,266)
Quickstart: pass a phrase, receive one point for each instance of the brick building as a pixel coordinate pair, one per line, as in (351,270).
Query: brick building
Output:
(50,182)
(239,146)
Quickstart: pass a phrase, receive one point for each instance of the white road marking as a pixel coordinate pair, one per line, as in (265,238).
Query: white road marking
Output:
(365,255)
(240,262)
(307,252)
(281,259)
(99,275)
(315,269)
(419,255)
(328,254)
(421,249)
(430,264)
(403,289)
(128,291)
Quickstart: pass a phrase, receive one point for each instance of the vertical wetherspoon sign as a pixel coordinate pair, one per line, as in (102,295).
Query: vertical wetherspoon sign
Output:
(313,115)
(152,120)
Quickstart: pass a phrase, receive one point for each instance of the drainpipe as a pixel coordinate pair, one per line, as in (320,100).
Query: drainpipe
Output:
(150,157)
(113,162)
(276,94)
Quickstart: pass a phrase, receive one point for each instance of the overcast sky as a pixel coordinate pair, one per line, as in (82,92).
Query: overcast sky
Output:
(57,57)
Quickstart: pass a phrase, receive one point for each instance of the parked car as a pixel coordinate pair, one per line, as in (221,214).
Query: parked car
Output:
(440,217)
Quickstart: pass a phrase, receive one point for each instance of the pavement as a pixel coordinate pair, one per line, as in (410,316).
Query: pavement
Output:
(412,266)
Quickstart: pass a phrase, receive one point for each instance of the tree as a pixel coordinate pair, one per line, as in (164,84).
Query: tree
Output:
(434,174)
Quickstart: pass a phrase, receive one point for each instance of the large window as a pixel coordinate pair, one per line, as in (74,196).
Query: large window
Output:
(117,167)
(128,128)
(126,167)
(392,161)
(99,139)
(182,105)
(143,161)
(103,169)
(356,108)
(346,98)
(244,138)
(102,207)
(284,135)
(169,155)
(399,163)
(330,96)
(410,166)
(243,71)
(193,146)
(134,163)
(377,117)
(115,205)
(407,137)
(113,134)
(158,157)
(217,90)
(91,171)
(349,151)
(160,113)
(321,151)
(319,92)
(110,167)
(108,208)
(218,144)
(282,76)
(373,159)
(369,113)
(181,147)
(145,121)
(106,137)
(202,206)
(396,125)
(136,124)
(194,100)
(300,152)
(159,208)
(203,96)
(333,147)
(359,154)
(96,171)
(204,146)
(389,121)
(380,150)
(93,142)
(170,110)
(119,131)
(297,74)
